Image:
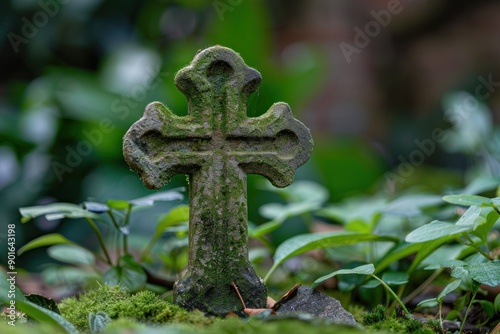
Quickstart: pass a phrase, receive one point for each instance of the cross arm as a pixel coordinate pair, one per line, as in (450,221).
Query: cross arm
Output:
(288,144)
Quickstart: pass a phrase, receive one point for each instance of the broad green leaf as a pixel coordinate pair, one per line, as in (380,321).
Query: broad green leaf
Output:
(299,192)
(366,269)
(264,229)
(468,200)
(480,185)
(55,211)
(395,277)
(449,288)
(432,302)
(72,254)
(446,264)
(487,306)
(435,230)
(482,227)
(118,204)
(280,212)
(461,273)
(411,205)
(398,252)
(175,216)
(486,273)
(98,321)
(373,283)
(433,251)
(68,275)
(45,240)
(367,210)
(390,278)
(470,216)
(44,315)
(128,274)
(496,303)
(96,207)
(166,196)
(306,242)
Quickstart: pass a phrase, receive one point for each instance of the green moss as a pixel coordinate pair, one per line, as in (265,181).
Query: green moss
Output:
(144,307)
(375,316)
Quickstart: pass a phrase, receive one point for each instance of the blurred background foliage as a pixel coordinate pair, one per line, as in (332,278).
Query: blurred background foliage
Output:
(73,83)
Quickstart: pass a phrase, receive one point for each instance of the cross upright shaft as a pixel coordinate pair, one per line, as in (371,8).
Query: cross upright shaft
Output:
(216,144)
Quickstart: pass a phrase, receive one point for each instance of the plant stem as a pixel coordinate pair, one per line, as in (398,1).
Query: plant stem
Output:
(118,233)
(100,239)
(468,309)
(148,248)
(126,222)
(422,286)
(407,313)
(476,247)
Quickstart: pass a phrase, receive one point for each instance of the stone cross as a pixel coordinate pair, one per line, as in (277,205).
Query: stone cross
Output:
(216,144)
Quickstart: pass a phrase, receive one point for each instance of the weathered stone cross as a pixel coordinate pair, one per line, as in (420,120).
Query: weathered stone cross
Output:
(216,144)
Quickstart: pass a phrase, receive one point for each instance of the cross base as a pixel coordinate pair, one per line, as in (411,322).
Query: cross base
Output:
(213,294)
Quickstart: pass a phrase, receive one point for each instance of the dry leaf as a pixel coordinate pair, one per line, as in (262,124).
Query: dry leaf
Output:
(270,302)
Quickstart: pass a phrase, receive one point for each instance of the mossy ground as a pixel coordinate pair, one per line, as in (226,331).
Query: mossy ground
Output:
(146,313)
(143,307)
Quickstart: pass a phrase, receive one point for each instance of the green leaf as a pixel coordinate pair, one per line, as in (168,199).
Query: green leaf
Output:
(373,283)
(366,269)
(429,248)
(45,240)
(432,302)
(306,242)
(176,216)
(264,228)
(55,211)
(118,204)
(447,289)
(44,315)
(446,264)
(98,321)
(72,254)
(396,253)
(411,205)
(366,210)
(96,207)
(43,301)
(166,196)
(470,216)
(299,192)
(496,303)
(480,185)
(395,277)
(468,200)
(435,230)
(486,273)
(483,226)
(280,212)
(128,274)
(487,306)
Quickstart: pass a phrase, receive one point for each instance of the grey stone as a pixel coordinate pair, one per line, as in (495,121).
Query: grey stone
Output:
(216,145)
(307,300)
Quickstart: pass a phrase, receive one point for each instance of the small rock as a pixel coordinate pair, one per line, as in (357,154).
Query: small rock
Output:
(310,301)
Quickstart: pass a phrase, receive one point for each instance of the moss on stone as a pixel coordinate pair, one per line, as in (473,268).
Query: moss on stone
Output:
(144,307)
